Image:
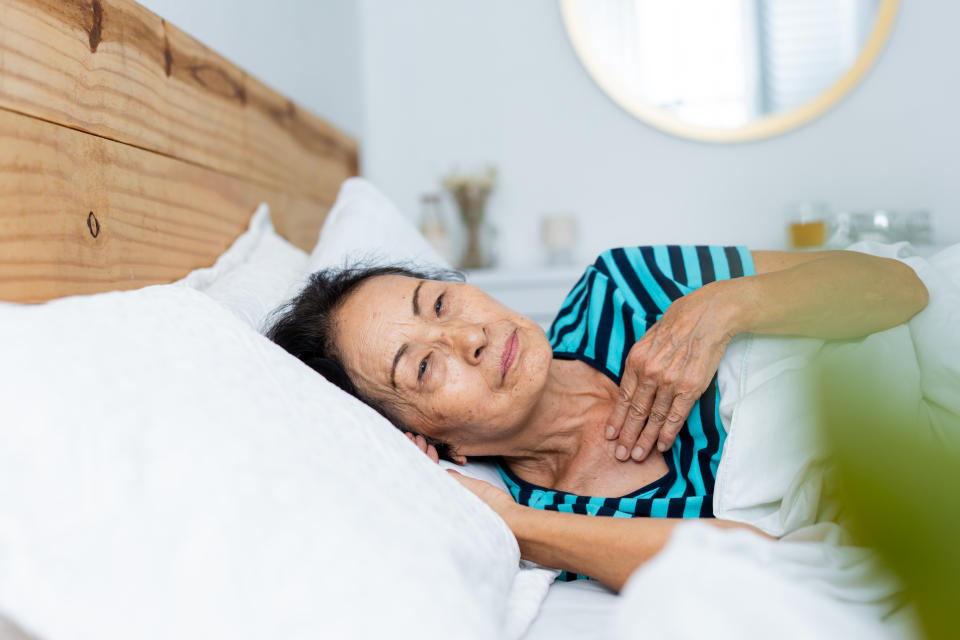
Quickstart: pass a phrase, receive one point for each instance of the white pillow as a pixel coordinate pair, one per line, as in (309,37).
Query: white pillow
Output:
(167,472)
(255,275)
(365,225)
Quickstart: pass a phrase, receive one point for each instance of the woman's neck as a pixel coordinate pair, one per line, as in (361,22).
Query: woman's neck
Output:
(567,420)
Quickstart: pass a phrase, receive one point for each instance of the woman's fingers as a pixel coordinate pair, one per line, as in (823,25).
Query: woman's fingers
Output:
(682,404)
(640,447)
(423,445)
(636,410)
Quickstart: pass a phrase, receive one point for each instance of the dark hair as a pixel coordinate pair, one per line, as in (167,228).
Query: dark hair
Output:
(304,326)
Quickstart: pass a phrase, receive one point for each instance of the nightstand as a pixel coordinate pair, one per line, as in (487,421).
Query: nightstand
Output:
(536,293)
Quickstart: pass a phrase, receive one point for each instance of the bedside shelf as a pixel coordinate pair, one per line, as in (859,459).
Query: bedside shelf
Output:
(536,293)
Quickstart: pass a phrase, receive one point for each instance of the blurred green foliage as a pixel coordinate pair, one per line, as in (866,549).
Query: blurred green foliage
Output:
(899,484)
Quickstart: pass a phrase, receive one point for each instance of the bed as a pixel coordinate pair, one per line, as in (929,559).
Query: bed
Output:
(166,471)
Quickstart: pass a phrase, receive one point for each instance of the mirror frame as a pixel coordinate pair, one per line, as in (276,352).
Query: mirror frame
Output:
(765,127)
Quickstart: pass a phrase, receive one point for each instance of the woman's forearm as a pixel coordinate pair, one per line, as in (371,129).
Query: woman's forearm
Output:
(604,548)
(842,295)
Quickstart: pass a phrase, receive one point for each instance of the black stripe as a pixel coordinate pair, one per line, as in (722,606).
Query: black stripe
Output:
(675,508)
(626,269)
(708,402)
(588,330)
(686,458)
(669,286)
(583,307)
(733,259)
(676,264)
(567,308)
(643,508)
(605,327)
(706,507)
(605,511)
(706,265)
(629,337)
(601,265)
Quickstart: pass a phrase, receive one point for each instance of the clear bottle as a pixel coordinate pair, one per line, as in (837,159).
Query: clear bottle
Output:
(433,227)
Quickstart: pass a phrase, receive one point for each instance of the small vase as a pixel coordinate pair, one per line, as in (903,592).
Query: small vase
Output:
(471,193)
(475,256)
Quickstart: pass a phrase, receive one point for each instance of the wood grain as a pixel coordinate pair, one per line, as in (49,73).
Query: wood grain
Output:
(113,68)
(84,214)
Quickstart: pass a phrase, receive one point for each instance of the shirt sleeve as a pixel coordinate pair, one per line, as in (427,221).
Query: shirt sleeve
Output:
(655,276)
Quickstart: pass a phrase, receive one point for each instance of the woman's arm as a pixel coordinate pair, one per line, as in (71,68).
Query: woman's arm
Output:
(605,548)
(827,294)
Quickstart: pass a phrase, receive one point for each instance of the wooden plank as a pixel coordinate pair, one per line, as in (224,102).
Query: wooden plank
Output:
(113,68)
(83,214)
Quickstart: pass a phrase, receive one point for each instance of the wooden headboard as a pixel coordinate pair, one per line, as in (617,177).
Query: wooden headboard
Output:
(131,154)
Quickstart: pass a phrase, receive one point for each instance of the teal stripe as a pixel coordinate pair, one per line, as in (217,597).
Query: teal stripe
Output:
(692,265)
(541,499)
(617,333)
(639,326)
(658,508)
(695,428)
(721,268)
(661,299)
(691,508)
(747,259)
(679,486)
(662,257)
(597,294)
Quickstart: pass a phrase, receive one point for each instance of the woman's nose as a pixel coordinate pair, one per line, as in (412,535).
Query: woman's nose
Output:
(471,340)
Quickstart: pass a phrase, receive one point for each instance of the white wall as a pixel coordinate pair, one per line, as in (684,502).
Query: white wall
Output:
(307,50)
(448,83)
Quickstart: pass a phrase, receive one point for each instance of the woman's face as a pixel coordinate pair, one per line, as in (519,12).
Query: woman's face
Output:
(453,362)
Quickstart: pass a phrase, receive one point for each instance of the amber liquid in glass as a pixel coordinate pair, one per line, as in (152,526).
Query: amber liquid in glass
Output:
(808,234)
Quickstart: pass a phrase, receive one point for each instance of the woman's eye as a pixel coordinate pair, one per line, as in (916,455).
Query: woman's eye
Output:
(438,305)
(422,369)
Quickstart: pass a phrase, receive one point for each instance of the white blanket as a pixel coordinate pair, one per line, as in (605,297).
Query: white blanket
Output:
(813,583)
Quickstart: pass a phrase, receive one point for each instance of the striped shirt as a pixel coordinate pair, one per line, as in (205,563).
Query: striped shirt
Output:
(613,304)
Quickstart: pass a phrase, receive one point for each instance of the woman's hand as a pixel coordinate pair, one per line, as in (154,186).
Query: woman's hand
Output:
(422,444)
(431,450)
(497,499)
(668,369)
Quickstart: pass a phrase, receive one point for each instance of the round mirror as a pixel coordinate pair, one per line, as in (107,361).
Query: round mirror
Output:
(727,70)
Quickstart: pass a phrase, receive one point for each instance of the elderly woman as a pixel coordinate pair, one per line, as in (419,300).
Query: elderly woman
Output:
(614,412)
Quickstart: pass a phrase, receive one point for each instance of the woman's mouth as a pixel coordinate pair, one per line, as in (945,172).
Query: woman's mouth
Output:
(510,350)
